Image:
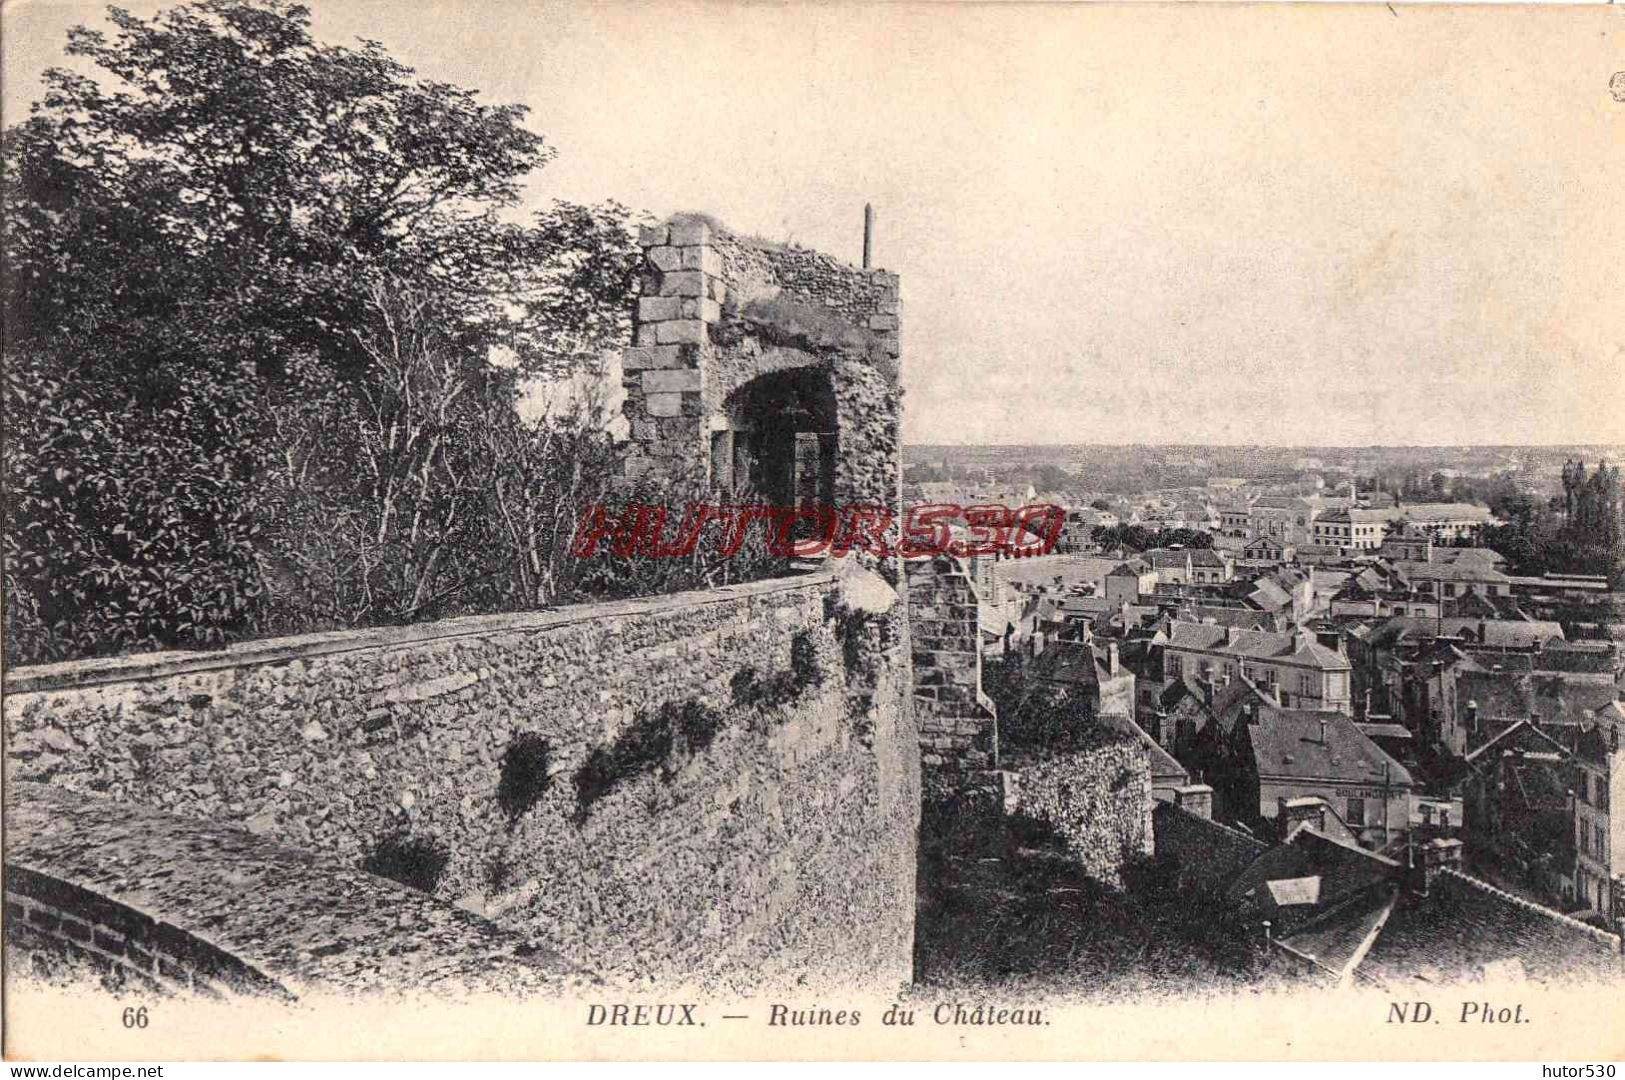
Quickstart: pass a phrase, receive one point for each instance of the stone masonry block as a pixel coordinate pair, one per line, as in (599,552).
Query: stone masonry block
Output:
(664,404)
(683,283)
(883,322)
(705,258)
(690,232)
(657,356)
(666,259)
(656,308)
(648,334)
(680,331)
(651,235)
(664,382)
(695,307)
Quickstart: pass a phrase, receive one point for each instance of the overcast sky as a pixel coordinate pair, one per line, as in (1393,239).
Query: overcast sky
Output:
(1241,225)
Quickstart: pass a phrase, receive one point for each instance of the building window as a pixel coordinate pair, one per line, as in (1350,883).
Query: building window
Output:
(1585,840)
(1356,812)
(1600,843)
(1602,795)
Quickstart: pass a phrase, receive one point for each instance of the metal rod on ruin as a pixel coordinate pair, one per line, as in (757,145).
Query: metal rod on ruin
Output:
(868,234)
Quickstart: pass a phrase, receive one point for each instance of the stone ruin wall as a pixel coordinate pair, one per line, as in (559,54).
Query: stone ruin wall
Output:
(959,739)
(157,905)
(782,848)
(1097,798)
(690,352)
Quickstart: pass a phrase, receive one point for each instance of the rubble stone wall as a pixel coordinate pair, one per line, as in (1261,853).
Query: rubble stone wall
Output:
(139,900)
(1098,798)
(582,776)
(958,724)
(691,351)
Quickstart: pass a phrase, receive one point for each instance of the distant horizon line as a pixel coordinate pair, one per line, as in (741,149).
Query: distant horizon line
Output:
(1280,446)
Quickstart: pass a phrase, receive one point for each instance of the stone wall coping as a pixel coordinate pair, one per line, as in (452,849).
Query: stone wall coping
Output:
(75,674)
(299,920)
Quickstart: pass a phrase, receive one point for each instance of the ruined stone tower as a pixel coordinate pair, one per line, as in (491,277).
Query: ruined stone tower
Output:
(764,367)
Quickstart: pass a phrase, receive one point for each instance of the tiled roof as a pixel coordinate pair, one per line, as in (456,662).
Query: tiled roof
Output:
(1482,556)
(1164,768)
(1070,662)
(1464,925)
(1355,517)
(1466,570)
(1516,632)
(1335,939)
(1045,569)
(1254,645)
(1268,595)
(1345,871)
(1523,736)
(1312,745)
(1588,657)
(1513,695)
(1242,618)
(1205,850)
(1469,512)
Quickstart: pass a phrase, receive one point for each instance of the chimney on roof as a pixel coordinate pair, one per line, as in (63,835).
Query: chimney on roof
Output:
(1483,632)
(1534,718)
(1436,857)
(1113,660)
(1196,798)
(1290,813)
(1472,718)
(1323,731)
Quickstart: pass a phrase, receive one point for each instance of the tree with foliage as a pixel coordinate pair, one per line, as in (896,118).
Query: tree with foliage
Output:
(1142,538)
(1582,533)
(239,263)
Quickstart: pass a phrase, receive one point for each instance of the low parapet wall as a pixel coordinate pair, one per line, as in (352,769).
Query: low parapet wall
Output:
(692,787)
(149,902)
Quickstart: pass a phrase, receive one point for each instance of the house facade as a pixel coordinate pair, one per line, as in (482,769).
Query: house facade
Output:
(1351,531)
(1284,518)
(1599,824)
(1288,755)
(1301,671)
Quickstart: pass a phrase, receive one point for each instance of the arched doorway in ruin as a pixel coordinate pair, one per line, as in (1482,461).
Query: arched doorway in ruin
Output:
(775,439)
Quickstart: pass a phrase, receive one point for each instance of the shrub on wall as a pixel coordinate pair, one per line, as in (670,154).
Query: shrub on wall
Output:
(643,746)
(414,861)
(524,774)
(751,689)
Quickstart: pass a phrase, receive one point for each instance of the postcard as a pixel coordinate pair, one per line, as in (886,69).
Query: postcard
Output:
(547,531)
